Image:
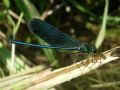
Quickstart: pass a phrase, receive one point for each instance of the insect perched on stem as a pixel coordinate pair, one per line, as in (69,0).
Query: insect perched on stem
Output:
(55,38)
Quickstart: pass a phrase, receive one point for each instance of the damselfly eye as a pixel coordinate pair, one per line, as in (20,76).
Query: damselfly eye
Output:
(94,50)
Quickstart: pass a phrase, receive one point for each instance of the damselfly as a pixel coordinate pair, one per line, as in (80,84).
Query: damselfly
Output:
(55,38)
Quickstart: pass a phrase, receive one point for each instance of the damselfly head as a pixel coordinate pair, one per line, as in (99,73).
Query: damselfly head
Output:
(85,48)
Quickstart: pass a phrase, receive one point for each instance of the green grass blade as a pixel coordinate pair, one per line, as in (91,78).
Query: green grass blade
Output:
(101,35)
(5,61)
(27,8)
(30,12)
(80,7)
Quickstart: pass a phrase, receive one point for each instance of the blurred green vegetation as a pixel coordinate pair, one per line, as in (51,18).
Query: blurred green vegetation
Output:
(92,21)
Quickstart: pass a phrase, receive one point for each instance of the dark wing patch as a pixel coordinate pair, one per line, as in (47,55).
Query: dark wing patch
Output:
(51,34)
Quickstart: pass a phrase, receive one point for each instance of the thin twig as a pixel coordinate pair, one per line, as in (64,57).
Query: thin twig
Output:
(13,45)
